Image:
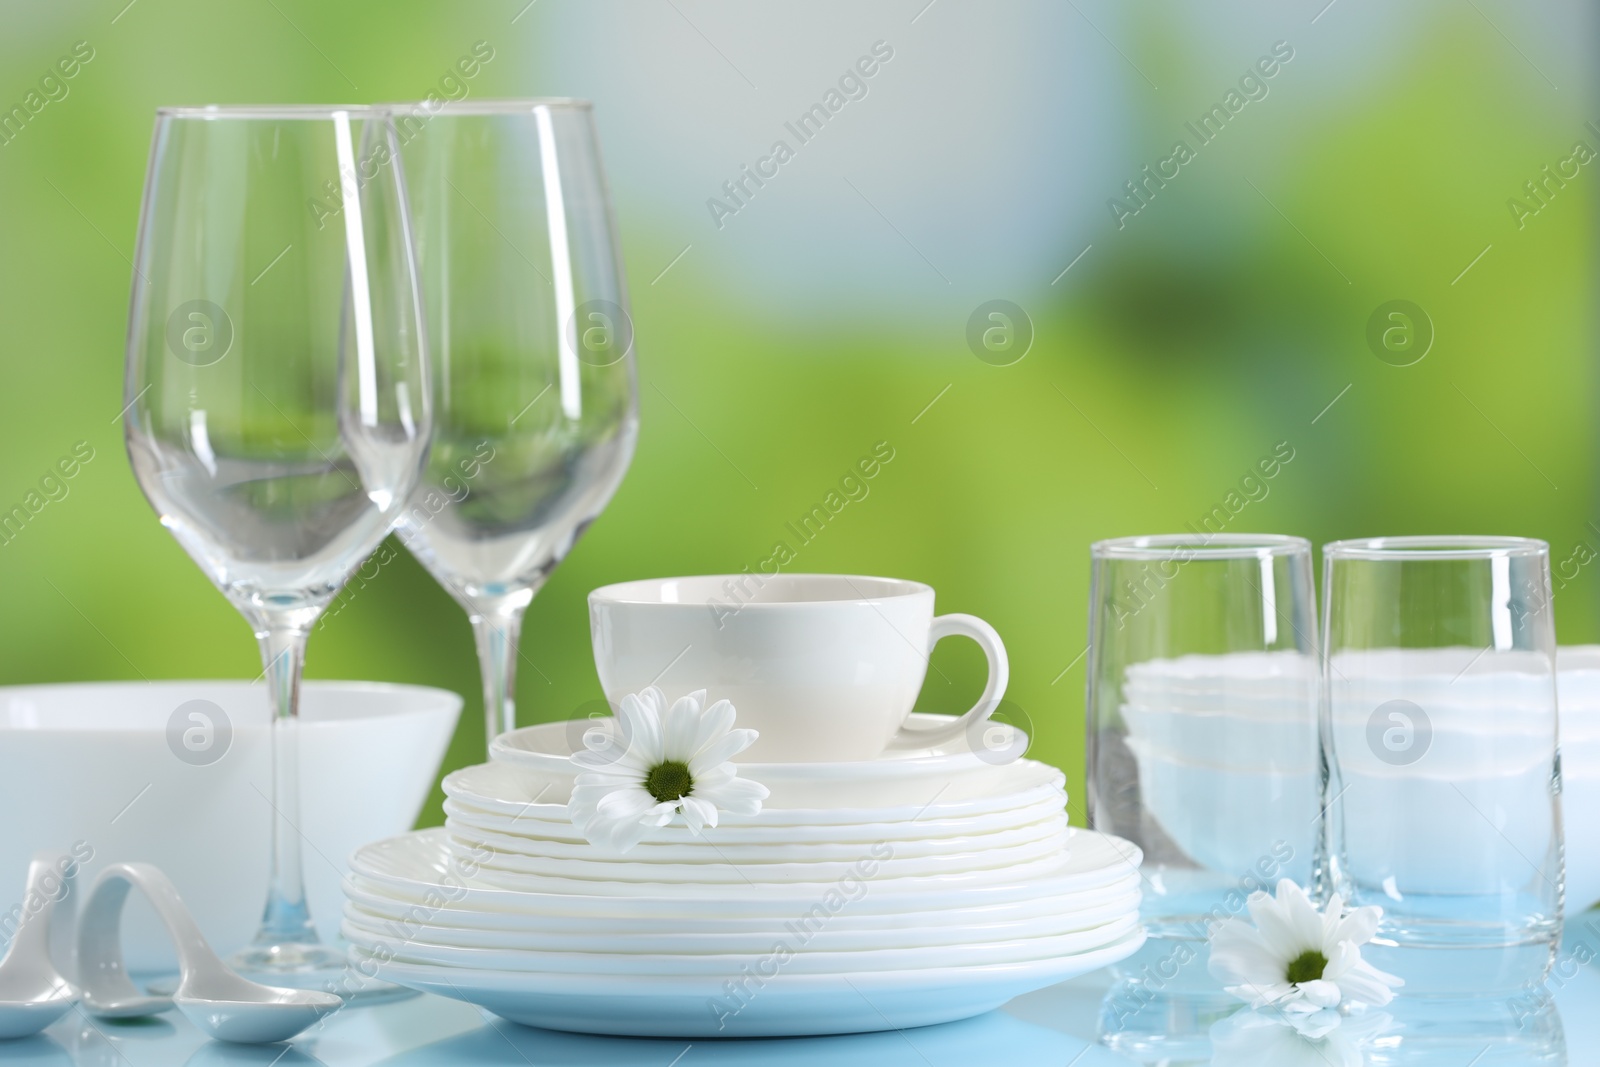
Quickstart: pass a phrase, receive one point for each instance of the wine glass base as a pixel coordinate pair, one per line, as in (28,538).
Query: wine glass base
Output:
(313,966)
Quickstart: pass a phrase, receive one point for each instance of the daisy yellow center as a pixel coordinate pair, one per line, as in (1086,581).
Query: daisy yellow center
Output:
(1306,967)
(671,781)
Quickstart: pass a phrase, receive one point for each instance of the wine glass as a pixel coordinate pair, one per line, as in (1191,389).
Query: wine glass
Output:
(536,400)
(278,396)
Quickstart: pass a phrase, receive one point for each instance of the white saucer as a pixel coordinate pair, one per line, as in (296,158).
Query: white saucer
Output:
(768,864)
(948,773)
(511,790)
(784,1005)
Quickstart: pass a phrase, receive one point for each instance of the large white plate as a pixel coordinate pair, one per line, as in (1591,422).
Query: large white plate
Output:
(825,933)
(644,959)
(407,918)
(419,868)
(785,1005)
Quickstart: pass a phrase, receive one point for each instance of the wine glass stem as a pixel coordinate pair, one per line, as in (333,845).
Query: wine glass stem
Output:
(286,918)
(496,633)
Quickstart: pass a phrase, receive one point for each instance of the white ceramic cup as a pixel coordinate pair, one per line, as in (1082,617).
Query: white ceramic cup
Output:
(825,666)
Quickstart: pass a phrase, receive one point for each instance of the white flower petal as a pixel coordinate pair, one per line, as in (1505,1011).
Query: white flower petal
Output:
(1359,926)
(1259,996)
(625,803)
(722,750)
(715,722)
(1239,955)
(1359,981)
(641,721)
(737,796)
(1302,915)
(1321,993)
(698,813)
(679,730)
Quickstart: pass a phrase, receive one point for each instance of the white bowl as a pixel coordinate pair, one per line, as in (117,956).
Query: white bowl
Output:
(950,773)
(1199,806)
(92,763)
(1578,684)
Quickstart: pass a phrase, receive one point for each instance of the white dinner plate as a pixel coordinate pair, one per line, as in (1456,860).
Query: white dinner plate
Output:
(644,960)
(773,864)
(419,868)
(783,1005)
(406,918)
(825,932)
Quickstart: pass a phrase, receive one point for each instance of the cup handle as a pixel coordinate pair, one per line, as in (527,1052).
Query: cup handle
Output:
(999,675)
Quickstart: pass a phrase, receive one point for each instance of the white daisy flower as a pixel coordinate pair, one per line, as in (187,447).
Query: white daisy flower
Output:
(1297,959)
(668,763)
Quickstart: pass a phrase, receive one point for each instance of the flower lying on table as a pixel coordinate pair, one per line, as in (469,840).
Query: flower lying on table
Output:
(1297,959)
(671,762)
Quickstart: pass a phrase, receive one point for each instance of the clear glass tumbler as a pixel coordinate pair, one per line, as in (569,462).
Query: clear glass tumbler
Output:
(1442,775)
(1202,750)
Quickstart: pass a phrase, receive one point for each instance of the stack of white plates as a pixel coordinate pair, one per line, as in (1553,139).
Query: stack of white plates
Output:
(827,916)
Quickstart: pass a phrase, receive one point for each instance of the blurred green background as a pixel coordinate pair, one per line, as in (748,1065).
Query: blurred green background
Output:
(1226,319)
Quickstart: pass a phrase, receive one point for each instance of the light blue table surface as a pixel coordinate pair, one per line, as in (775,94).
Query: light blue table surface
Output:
(1051,1028)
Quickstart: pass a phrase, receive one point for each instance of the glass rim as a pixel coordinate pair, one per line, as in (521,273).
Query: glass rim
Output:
(1423,547)
(1214,546)
(506,106)
(272,111)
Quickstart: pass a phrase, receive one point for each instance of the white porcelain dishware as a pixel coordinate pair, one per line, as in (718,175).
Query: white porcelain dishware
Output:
(804,960)
(421,869)
(939,774)
(217,1000)
(1578,689)
(1444,794)
(33,990)
(825,666)
(823,939)
(462,928)
(503,788)
(786,1005)
(107,768)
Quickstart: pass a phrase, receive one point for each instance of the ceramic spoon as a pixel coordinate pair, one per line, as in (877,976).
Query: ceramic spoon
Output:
(33,994)
(217,1000)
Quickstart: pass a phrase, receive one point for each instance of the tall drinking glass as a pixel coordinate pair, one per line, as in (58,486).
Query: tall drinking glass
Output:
(1440,754)
(1202,750)
(278,395)
(536,408)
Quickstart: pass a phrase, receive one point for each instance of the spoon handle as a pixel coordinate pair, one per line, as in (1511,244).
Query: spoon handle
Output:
(107,990)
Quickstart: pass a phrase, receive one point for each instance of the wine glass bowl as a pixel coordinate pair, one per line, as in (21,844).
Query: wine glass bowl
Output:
(279,399)
(536,410)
